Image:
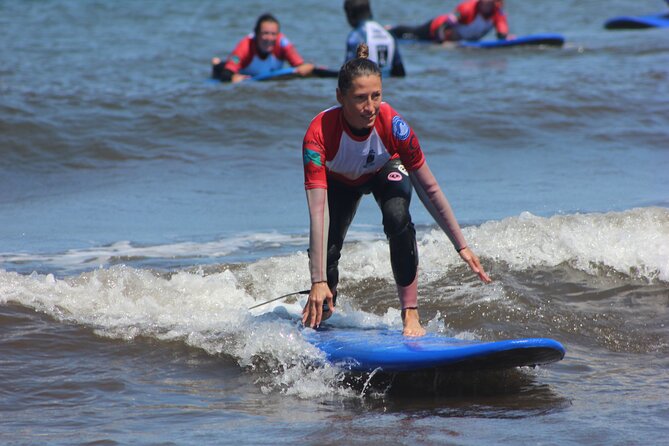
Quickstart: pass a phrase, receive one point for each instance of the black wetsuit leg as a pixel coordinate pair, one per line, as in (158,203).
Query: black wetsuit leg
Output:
(217,71)
(421,32)
(392,190)
(343,202)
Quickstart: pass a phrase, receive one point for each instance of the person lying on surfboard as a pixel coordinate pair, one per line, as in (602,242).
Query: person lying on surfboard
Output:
(471,20)
(260,52)
(383,47)
(364,146)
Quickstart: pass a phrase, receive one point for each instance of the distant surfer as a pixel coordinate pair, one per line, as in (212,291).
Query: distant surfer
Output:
(471,20)
(383,47)
(364,146)
(260,52)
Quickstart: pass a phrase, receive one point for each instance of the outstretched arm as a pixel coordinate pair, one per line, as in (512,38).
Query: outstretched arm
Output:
(435,202)
(319,218)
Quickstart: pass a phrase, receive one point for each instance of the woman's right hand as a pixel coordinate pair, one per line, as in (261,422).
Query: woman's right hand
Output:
(239,77)
(312,314)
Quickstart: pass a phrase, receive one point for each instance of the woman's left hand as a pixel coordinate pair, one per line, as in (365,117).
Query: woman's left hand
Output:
(475,264)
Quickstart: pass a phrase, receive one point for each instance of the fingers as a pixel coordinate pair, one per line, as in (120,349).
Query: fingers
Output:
(312,314)
(475,264)
(484,277)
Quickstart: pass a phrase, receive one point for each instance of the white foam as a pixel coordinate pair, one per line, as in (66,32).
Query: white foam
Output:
(634,242)
(210,311)
(205,311)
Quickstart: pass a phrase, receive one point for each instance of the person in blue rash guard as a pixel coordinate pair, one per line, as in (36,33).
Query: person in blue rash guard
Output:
(260,52)
(383,48)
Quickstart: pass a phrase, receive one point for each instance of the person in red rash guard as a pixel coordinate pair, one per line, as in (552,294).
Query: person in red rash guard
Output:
(263,51)
(364,146)
(471,20)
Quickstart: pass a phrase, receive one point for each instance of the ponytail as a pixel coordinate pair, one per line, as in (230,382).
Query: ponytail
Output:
(362,52)
(354,68)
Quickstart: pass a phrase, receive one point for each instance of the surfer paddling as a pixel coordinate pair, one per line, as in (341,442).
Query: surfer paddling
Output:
(260,52)
(471,20)
(364,146)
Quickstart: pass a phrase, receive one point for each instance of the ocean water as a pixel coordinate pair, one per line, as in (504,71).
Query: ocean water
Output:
(143,210)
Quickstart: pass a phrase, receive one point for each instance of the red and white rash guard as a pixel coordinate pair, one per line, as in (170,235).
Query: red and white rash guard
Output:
(331,150)
(245,58)
(469,23)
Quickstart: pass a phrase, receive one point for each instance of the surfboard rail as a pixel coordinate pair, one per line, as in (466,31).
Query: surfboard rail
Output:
(546,39)
(638,22)
(390,351)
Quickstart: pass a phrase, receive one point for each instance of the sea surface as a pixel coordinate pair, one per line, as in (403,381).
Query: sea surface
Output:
(144,209)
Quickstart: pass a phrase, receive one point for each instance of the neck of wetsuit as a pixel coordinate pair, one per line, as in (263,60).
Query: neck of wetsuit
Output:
(360,132)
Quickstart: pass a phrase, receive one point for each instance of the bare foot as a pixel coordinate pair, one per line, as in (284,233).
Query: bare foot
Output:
(411,321)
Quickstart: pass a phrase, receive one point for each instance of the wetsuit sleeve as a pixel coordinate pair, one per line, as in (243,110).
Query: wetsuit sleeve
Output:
(315,183)
(240,56)
(290,53)
(313,155)
(501,25)
(226,75)
(222,74)
(437,205)
(319,224)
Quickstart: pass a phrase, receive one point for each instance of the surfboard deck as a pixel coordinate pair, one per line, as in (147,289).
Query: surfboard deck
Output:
(638,22)
(528,40)
(390,351)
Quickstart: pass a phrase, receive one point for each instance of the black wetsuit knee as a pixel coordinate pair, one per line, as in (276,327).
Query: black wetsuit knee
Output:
(396,216)
(404,255)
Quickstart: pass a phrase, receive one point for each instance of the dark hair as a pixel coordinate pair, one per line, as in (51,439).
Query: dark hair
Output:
(267,17)
(357,11)
(354,68)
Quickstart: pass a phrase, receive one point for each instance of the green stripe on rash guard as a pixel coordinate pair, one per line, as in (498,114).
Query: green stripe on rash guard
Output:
(312,156)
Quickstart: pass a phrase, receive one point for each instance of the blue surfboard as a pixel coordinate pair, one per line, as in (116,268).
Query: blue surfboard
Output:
(390,351)
(529,40)
(290,73)
(638,22)
(276,74)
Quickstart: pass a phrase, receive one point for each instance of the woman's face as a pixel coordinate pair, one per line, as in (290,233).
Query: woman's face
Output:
(361,102)
(267,35)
